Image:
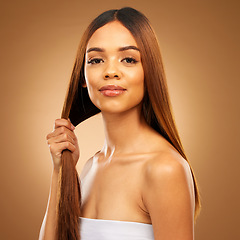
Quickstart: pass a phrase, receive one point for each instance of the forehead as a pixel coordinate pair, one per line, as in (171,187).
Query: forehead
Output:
(112,35)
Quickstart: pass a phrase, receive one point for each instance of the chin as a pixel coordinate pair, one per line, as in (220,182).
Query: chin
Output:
(118,109)
(117,105)
(112,110)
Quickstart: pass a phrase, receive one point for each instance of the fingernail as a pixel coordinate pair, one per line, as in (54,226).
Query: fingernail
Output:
(72,127)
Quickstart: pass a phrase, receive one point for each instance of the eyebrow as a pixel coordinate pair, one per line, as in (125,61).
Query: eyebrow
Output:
(121,49)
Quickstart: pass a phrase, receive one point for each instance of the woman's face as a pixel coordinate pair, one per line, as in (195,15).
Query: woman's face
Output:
(113,63)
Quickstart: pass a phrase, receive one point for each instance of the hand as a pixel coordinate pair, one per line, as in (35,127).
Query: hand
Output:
(62,137)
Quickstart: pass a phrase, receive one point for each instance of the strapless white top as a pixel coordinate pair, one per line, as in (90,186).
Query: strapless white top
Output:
(100,229)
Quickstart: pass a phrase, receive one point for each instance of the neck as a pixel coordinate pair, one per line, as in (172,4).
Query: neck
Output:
(125,132)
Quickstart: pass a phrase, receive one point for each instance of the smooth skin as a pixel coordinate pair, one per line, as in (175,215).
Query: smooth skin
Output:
(140,177)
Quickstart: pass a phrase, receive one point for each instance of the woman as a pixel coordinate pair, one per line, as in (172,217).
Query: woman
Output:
(140,184)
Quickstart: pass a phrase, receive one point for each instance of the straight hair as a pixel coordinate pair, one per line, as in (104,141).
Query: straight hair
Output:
(156,109)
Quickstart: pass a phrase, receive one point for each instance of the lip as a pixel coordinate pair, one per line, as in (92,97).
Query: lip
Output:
(111,87)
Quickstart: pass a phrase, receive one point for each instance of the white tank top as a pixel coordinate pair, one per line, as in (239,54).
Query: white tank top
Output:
(99,229)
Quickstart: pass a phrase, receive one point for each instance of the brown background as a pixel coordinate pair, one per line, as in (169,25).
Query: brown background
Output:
(200,47)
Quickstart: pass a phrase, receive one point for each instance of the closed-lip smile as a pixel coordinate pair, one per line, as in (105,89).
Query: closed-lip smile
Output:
(111,87)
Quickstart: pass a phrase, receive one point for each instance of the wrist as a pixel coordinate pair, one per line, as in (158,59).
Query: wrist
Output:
(56,170)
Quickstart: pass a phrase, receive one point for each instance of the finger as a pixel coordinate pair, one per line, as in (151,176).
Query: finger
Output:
(59,131)
(61,138)
(57,148)
(63,122)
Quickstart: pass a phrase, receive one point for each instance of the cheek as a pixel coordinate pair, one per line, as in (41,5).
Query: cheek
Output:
(138,80)
(87,74)
(90,77)
(90,88)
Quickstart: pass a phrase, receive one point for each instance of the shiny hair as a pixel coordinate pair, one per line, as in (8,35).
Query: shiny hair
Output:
(156,109)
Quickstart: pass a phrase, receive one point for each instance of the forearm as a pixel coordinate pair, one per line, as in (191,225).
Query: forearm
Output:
(48,228)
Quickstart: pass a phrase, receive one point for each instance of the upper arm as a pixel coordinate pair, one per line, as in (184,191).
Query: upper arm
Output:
(168,196)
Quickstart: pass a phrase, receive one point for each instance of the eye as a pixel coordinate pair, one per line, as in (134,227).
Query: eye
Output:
(129,60)
(95,61)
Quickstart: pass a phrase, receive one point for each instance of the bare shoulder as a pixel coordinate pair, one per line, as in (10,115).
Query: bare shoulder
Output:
(165,166)
(168,195)
(168,168)
(87,166)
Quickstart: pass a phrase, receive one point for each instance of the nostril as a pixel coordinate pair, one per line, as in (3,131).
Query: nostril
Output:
(114,75)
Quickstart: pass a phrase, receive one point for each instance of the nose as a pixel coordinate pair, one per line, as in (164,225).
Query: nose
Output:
(111,72)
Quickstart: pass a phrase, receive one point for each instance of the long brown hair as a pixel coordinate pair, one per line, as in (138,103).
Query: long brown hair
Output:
(78,107)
